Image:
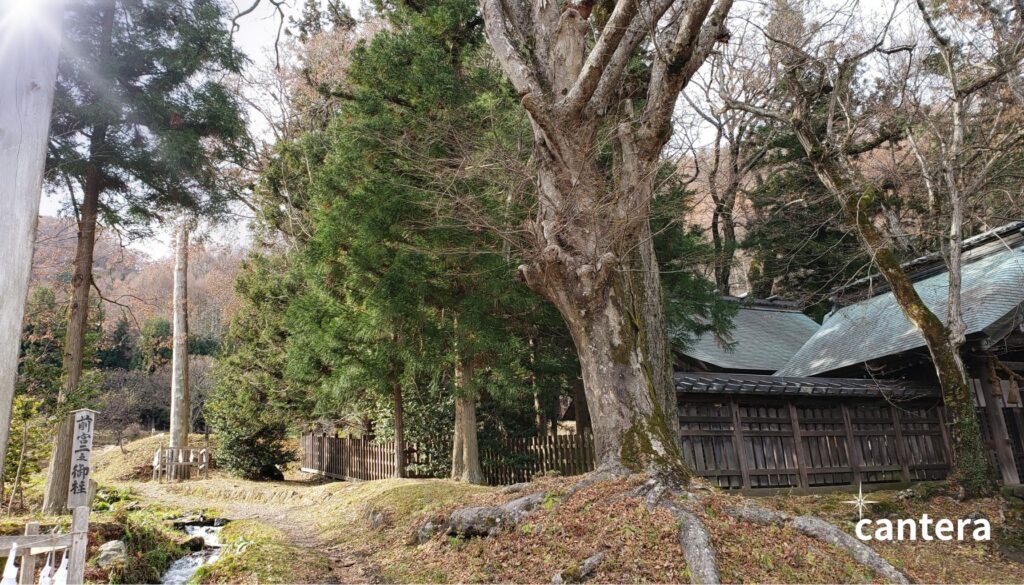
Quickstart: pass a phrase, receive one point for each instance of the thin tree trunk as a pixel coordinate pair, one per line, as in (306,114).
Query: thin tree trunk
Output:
(180,407)
(28,67)
(399,431)
(466,451)
(21,464)
(458,438)
(540,420)
(971,466)
(470,469)
(579,402)
(55,498)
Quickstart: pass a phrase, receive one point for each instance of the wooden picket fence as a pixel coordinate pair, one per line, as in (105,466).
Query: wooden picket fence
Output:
(733,443)
(527,457)
(362,459)
(517,460)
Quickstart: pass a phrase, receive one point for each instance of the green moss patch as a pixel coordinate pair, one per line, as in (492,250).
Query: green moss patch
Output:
(258,553)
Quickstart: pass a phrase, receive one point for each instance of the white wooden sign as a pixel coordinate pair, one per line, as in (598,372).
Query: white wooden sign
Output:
(81,458)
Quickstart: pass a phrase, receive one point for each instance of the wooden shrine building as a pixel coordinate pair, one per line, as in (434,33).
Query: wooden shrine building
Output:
(785,402)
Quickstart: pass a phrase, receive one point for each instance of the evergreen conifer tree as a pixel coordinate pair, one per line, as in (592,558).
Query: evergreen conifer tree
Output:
(139,123)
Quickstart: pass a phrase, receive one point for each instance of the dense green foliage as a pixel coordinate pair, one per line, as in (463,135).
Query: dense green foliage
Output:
(252,400)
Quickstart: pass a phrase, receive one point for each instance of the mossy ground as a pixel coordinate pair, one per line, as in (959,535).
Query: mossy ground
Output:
(257,553)
(334,519)
(152,542)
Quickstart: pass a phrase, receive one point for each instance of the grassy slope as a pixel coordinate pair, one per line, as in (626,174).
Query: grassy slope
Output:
(257,553)
(640,546)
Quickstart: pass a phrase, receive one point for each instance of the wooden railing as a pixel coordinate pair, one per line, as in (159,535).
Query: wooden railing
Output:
(179,464)
(33,547)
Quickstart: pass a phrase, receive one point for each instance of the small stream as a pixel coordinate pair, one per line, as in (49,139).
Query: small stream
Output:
(182,569)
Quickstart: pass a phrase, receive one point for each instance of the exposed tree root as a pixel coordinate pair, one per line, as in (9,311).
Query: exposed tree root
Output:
(694,539)
(826,532)
(490,520)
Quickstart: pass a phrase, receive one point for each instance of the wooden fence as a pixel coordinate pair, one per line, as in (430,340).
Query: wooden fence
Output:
(173,463)
(527,457)
(734,443)
(349,458)
(517,460)
(789,443)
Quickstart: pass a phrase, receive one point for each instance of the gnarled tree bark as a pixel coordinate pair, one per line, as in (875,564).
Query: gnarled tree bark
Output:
(590,247)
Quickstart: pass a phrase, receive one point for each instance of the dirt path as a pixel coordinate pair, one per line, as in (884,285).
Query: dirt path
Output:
(283,505)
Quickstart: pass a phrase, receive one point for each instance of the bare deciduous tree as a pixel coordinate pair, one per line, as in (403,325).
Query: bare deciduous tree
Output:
(848,90)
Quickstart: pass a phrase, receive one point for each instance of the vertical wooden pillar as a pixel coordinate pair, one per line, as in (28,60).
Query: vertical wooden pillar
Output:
(28,68)
(947,445)
(741,447)
(901,445)
(798,446)
(852,446)
(79,542)
(28,562)
(993,394)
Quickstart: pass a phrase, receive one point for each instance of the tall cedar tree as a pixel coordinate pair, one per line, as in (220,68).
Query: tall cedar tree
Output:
(139,123)
(252,403)
(398,294)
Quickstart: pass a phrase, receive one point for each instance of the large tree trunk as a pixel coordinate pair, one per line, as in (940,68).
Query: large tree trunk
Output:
(399,431)
(180,407)
(55,498)
(598,267)
(623,353)
(28,66)
(592,253)
(465,449)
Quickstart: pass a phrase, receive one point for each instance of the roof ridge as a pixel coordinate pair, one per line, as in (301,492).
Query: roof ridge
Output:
(925,260)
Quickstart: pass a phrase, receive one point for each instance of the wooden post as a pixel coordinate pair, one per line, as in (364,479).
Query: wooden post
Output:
(79,542)
(993,393)
(901,446)
(180,409)
(28,562)
(947,446)
(852,447)
(28,68)
(798,445)
(741,448)
(156,464)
